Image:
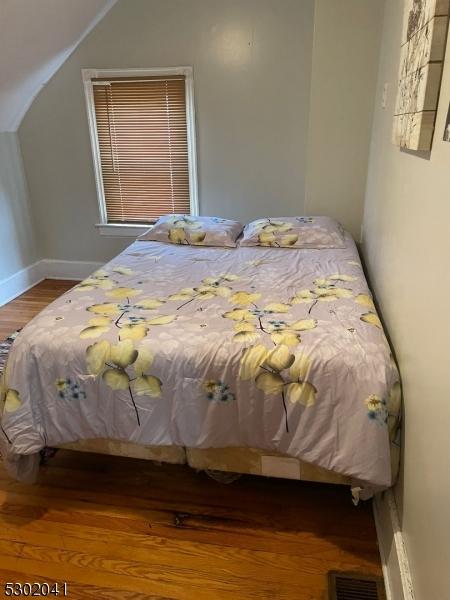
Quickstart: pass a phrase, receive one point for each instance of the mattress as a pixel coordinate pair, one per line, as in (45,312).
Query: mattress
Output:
(279,350)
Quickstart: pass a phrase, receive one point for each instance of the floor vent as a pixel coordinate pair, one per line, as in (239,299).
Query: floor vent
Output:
(355,586)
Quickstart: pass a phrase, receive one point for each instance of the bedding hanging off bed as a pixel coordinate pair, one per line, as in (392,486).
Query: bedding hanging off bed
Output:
(263,347)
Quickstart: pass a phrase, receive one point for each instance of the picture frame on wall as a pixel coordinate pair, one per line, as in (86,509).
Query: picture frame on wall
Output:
(446,136)
(424,37)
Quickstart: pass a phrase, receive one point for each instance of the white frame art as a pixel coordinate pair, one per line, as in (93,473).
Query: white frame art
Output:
(424,38)
(446,136)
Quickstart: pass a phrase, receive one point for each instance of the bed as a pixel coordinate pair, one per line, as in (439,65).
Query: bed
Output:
(261,360)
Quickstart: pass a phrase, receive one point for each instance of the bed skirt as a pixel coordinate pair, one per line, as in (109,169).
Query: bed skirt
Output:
(236,460)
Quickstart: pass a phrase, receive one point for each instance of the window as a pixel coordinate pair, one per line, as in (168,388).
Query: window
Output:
(143,141)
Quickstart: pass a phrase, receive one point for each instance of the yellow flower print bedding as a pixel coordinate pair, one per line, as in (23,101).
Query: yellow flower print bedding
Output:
(294,232)
(209,348)
(194,231)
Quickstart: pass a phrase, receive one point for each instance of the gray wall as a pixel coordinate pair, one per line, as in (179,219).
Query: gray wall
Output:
(407,251)
(284,99)
(18,247)
(252,63)
(347,37)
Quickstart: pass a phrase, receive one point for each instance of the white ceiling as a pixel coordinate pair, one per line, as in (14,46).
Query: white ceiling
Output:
(36,37)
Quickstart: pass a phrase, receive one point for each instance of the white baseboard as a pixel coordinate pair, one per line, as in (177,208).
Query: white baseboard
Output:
(67,269)
(394,559)
(20,282)
(26,278)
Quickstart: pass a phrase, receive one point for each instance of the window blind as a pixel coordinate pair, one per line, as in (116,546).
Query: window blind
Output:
(142,138)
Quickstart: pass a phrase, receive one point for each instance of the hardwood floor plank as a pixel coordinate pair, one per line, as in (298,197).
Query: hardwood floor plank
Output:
(163,523)
(182,551)
(120,528)
(79,591)
(105,572)
(148,494)
(17,313)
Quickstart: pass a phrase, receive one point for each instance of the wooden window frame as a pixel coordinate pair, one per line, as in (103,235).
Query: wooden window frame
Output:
(124,229)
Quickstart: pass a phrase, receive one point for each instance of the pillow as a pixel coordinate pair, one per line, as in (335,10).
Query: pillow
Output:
(294,232)
(194,231)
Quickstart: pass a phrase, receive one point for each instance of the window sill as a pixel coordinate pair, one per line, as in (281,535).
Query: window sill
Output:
(122,229)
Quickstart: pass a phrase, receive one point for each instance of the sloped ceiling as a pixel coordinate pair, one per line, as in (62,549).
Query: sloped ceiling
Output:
(36,37)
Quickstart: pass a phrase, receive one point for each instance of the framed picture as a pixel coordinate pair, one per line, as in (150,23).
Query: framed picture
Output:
(446,137)
(424,37)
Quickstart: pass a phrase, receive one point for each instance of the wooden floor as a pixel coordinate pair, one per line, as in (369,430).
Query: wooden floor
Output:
(128,529)
(16,314)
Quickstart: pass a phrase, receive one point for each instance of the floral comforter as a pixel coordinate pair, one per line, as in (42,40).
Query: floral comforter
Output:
(269,348)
